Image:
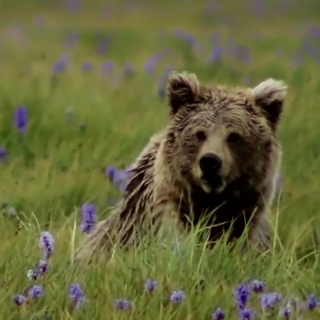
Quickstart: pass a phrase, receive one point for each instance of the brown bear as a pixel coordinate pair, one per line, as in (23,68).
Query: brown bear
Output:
(217,162)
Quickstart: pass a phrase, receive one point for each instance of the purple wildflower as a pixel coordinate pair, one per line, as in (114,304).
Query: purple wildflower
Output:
(219,314)
(103,45)
(269,300)
(74,5)
(151,63)
(3,154)
(246,314)
(19,299)
(177,296)
(87,66)
(47,243)
(123,304)
(76,295)
(242,295)
(89,217)
(35,291)
(118,177)
(312,302)
(60,65)
(21,119)
(40,270)
(107,67)
(285,313)
(216,55)
(151,285)
(257,286)
(40,21)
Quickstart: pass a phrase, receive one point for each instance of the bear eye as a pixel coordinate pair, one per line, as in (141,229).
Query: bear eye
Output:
(234,137)
(201,135)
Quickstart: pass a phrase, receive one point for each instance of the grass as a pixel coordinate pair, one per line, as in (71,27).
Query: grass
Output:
(58,165)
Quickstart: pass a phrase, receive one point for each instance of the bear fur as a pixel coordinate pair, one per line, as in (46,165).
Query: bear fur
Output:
(217,161)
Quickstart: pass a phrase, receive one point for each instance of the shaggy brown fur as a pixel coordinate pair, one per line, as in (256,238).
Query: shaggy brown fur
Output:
(217,159)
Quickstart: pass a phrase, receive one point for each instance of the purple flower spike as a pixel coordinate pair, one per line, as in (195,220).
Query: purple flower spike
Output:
(219,314)
(107,67)
(76,295)
(151,63)
(61,64)
(19,299)
(269,300)
(242,296)
(46,242)
(285,313)
(87,66)
(21,119)
(118,177)
(40,270)
(312,303)
(123,304)
(3,154)
(257,286)
(151,285)
(35,291)
(246,314)
(177,296)
(89,217)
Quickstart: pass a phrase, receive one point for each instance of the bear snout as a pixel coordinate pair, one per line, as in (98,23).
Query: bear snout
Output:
(210,163)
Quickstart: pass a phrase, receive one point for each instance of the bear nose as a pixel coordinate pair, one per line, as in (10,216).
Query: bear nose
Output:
(210,162)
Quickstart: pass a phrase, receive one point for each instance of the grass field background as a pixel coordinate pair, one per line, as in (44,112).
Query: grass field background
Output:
(99,106)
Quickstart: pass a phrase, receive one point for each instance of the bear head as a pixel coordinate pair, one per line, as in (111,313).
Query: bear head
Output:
(218,136)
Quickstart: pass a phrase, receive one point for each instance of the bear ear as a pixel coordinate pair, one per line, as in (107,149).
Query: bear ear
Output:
(270,95)
(183,88)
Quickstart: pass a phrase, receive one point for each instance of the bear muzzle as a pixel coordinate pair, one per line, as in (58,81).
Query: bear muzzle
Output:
(211,165)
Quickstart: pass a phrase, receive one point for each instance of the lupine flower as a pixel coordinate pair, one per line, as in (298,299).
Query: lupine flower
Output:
(257,286)
(46,242)
(242,296)
(177,296)
(19,299)
(74,5)
(89,217)
(21,119)
(312,302)
(41,269)
(107,67)
(118,177)
(246,314)
(3,154)
(216,55)
(162,91)
(151,285)
(103,45)
(151,63)
(269,300)
(285,313)
(76,295)
(40,21)
(87,66)
(35,291)
(60,65)
(219,314)
(123,304)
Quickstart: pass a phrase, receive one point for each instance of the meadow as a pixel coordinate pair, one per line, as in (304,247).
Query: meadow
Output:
(82,88)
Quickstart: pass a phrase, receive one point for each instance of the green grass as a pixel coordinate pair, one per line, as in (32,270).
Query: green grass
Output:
(56,167)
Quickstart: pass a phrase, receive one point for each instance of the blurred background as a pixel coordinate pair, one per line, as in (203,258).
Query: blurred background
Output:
(92,77)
